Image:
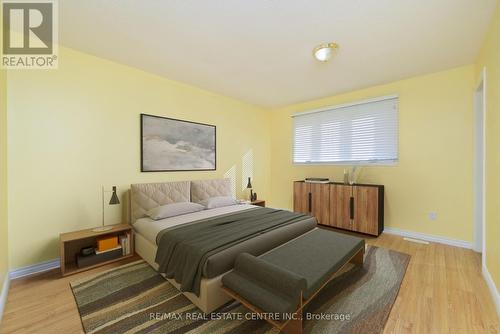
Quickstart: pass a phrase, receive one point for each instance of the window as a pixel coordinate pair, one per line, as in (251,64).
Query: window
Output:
(360,133)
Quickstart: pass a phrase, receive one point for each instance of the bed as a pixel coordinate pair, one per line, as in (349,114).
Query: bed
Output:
(210,296)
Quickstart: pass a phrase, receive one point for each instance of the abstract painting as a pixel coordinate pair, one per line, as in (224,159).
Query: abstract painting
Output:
(169,144)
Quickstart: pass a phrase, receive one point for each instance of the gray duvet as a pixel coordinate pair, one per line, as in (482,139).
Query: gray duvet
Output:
(183,251)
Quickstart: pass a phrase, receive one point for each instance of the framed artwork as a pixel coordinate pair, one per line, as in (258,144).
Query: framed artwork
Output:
(169,145)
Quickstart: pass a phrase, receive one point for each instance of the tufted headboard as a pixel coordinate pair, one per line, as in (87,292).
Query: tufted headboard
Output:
(146,196)
(203,189)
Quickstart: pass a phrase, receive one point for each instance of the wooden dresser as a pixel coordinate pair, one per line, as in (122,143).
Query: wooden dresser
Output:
(358,207)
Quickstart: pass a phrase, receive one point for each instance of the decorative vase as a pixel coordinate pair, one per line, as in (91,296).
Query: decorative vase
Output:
(353,174)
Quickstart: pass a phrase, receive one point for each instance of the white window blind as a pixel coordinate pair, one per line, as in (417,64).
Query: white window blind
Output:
(365,132)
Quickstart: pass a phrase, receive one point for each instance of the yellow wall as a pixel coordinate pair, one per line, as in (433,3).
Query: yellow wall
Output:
(435,166)
(76,128)
(490,58)
(3,180)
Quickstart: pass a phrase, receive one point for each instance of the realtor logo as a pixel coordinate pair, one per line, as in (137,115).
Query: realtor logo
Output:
(29,34)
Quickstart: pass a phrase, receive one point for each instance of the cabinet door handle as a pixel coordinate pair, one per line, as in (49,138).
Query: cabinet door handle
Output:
(351,207)
(310,201)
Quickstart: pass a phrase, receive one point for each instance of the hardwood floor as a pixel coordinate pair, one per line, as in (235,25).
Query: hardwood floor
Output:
(443,292)
(45,304)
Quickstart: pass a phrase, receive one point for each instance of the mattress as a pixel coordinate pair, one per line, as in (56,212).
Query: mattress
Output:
(150,228)
(223,261)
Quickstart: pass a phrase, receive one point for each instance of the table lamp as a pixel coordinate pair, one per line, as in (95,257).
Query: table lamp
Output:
(113,201)
(249,186)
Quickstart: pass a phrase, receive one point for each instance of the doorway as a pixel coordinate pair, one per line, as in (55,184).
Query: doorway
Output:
(479,164)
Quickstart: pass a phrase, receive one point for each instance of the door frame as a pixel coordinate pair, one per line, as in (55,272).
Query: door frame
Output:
(480,182)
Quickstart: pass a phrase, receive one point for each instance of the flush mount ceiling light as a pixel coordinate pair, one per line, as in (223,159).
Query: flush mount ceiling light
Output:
(324,52)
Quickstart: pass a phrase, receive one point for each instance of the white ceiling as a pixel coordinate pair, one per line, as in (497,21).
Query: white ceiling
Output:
(260,51)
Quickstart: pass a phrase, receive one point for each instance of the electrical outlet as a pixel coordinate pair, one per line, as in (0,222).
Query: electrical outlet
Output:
(433,215)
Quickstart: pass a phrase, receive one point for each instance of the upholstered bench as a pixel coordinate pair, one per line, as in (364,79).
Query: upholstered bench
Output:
(282,281)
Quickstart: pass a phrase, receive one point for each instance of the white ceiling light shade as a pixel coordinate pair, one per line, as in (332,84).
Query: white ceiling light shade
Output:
(324,52)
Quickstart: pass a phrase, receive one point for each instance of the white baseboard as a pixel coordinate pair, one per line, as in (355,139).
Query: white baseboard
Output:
(493,288)
(429,237)
(3,295)
(34,269)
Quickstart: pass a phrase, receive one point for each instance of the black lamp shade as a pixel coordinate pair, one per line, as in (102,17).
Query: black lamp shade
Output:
(249,184)
(114,198)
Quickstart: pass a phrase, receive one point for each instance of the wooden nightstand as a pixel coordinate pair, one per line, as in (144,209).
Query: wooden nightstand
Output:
(71,243)
(259,202)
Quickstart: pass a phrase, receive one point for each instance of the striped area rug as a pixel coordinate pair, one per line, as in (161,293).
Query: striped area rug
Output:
(135,299)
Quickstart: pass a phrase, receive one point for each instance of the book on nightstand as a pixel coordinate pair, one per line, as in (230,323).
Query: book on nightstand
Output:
(106,242)
(107,250)
(125,243)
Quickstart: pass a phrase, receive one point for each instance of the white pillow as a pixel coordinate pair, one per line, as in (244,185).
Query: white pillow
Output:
(217,202)
(174,209)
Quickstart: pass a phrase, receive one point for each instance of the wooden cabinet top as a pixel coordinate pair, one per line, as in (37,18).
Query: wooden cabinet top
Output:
(343,184)
(88,233)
